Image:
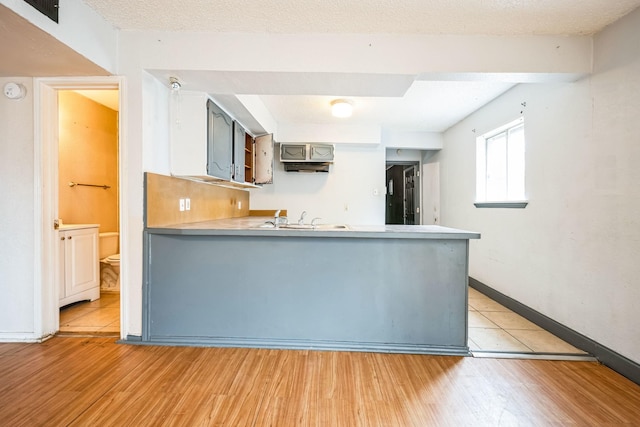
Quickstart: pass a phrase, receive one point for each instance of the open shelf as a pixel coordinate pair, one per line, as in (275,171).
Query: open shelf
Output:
(248,158)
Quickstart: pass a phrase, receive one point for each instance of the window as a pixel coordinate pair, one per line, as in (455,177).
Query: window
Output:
(500,167)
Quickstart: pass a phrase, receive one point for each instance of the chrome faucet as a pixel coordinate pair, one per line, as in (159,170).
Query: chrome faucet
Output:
(276,218)
(313,222)
(301,220)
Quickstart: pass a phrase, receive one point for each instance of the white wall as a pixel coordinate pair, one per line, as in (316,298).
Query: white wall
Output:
(344,195)
(17,220)
(572,254)
(412,140)
(321,133)
(403,155)
(156,117)
(427,55)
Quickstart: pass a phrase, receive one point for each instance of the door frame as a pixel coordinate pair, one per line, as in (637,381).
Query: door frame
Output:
(46,268)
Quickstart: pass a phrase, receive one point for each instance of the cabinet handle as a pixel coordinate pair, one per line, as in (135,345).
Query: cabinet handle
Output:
(62,238)
(70,237)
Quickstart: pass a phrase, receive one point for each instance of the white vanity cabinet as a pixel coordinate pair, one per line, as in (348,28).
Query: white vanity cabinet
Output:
(79,268)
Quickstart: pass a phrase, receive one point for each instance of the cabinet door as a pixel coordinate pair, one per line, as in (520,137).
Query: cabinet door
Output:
(321,153)
(264,159)
(82,266)
(188,134)
(239,135)
(219,142)
(293,152)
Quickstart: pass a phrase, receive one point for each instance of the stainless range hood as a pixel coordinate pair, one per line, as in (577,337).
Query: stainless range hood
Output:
(310,167)
(309,157)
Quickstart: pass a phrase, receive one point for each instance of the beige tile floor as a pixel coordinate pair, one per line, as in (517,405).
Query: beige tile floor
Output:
(495,328)
(99,317)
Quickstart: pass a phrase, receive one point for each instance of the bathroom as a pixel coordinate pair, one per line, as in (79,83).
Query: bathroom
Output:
(88,194)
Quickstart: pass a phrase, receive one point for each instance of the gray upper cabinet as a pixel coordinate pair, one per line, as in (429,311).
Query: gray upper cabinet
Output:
(208,145)
(219,142)
(308,152)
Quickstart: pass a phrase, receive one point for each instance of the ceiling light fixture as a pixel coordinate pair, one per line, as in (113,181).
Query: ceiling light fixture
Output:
(341,108)
(174,83)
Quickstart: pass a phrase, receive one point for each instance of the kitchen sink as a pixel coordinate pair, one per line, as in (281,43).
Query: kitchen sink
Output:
(315,227)
(319,227)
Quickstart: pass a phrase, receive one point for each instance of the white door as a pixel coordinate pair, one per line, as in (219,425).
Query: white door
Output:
(431,193)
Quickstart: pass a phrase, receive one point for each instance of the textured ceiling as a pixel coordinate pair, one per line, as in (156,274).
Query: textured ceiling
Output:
(575,17)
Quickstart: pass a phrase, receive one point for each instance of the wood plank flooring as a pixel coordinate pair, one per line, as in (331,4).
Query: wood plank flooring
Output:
(96,382)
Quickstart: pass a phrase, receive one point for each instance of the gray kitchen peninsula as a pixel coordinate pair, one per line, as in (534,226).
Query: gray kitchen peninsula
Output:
(232,282)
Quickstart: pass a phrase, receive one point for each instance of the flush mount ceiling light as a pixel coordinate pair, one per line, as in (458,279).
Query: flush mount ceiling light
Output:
(341,108)
(174,83)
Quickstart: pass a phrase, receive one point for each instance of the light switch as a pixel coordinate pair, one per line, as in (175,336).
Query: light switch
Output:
(187,204)
(181,205)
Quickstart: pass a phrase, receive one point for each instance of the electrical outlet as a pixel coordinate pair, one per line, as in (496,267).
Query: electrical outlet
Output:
(181,205)
(187,204)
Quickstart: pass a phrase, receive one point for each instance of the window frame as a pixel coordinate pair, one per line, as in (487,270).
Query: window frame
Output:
(481,143)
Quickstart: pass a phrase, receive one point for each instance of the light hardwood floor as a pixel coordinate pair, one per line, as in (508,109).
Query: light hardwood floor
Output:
(96,382)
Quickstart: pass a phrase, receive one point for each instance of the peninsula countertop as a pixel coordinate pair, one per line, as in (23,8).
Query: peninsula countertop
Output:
(253,226)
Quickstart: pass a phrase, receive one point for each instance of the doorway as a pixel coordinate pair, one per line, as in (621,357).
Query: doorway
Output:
(88,194)
(47,93)
(403,194)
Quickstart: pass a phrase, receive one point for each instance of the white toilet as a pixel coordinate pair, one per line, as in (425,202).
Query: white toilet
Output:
(109,262)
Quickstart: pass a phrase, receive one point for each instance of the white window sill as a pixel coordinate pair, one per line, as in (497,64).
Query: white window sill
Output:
(520,204)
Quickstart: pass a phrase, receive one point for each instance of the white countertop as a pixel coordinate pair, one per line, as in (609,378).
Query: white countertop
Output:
(66,227)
